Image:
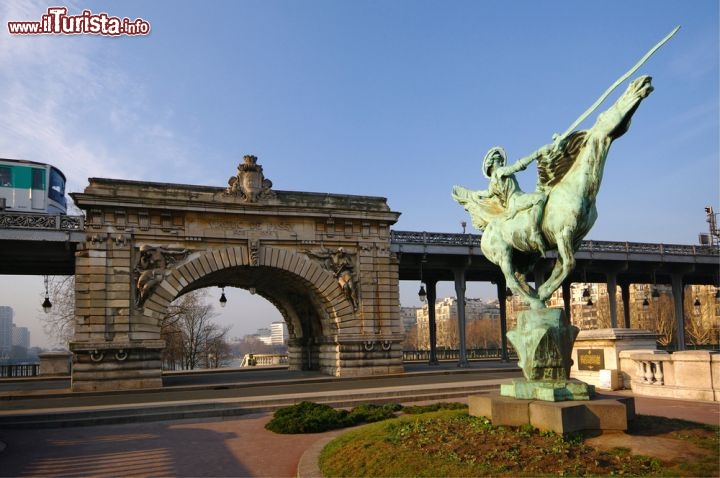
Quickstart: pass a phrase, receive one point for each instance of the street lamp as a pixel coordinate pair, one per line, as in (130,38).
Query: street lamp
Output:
(46,305)
(223,299)
(586,295)
(422,295)
(696,306)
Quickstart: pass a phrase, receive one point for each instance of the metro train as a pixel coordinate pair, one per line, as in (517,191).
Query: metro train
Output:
(28,186)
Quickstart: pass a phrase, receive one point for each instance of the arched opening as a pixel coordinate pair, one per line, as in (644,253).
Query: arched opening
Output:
(299,305)
(306,295)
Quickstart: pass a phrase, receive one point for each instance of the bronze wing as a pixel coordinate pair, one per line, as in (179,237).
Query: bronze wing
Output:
(553,166)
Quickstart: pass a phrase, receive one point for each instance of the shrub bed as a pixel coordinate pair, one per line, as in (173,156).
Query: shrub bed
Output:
(310,417)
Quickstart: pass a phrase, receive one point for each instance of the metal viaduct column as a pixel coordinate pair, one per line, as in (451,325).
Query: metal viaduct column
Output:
(612,297)
(611,274)
(625,294)
(678,291)
(502,302)
(567,300)
(459,273)
(432,322)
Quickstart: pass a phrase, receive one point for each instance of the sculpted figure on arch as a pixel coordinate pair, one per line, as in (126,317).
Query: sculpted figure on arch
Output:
(519,227)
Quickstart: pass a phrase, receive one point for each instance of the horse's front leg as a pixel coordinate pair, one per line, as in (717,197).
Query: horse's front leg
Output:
(563,266)
(517,285)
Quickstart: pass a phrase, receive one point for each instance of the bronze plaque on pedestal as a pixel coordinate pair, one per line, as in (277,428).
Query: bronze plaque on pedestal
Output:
(591,359)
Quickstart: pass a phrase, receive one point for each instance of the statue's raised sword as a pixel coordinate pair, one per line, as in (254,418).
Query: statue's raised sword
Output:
(557,138)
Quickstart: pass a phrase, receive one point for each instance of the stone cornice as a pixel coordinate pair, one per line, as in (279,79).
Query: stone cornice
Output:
(108,193)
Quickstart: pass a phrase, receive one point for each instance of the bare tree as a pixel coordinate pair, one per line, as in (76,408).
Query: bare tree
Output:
(216,350)
(59,322)
(448,334)
(422,335)
(410,341)
(192,338)
(483,332)
(602,311)
(700,316)
(664,311)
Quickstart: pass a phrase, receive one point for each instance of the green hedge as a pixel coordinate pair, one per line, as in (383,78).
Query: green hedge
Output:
(310,417)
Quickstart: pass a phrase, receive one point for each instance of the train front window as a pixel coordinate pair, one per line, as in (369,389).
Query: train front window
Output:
(56,192)
(38,179)
(5,177)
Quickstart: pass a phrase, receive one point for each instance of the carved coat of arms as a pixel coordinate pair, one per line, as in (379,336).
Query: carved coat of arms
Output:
(249,183)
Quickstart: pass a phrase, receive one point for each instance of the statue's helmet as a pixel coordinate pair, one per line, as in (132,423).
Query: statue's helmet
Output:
(486,160)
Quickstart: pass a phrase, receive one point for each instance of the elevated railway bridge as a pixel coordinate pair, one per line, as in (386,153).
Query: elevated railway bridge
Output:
(51,245)
(39,244)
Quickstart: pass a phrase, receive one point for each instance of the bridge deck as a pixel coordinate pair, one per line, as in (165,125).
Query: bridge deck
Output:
(38,244)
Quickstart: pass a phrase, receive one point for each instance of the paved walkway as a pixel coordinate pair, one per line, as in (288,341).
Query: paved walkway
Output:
(237,447)
(210,447)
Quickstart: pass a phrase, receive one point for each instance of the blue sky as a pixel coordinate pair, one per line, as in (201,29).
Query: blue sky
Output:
(399,99)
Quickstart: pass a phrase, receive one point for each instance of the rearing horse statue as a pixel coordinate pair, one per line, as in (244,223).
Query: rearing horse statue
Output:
(519,227)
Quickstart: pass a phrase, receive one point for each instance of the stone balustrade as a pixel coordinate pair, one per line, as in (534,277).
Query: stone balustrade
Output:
(688,375)
(252,360)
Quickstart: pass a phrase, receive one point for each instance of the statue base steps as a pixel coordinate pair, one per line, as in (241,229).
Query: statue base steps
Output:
(548,391)
(600,414)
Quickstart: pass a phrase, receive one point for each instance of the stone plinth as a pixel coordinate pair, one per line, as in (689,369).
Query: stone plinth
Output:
(116,366)
(599,350)
(55,363)
(604,414)
(553,391)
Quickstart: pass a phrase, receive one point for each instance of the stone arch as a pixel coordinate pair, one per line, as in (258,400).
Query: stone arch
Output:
(148,243)
(308,296)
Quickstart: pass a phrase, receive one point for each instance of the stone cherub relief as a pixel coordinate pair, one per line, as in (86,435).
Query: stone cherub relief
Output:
(340,263)
(250,183)
(151,268)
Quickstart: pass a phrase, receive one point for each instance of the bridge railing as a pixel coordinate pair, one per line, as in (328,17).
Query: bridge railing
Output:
(648,248)
(20,370)
(57,222)
(454,354)
(253,360)
(458,239)
(434,238)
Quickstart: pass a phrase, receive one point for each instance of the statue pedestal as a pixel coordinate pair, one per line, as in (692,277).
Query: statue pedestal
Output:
(553,391)
(544,340)
(610,413)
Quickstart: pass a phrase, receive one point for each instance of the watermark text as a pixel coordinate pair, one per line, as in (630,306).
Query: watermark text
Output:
(57,22)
